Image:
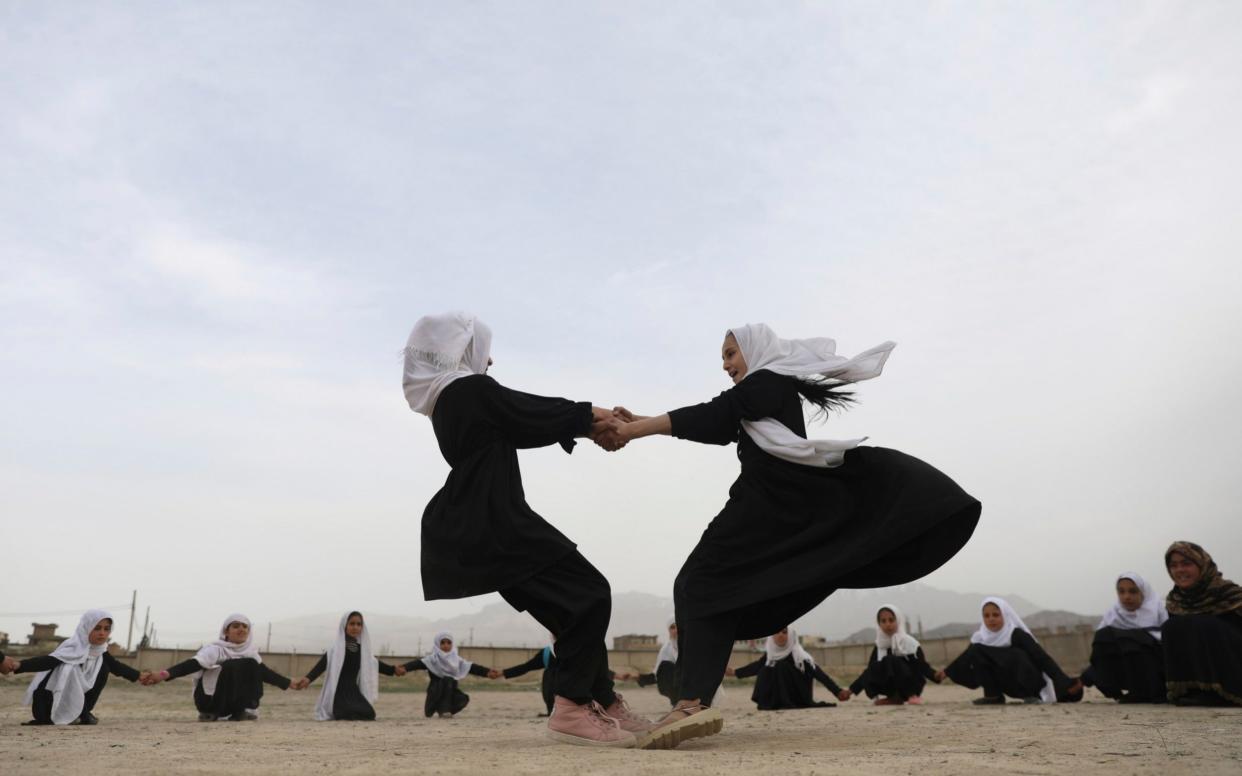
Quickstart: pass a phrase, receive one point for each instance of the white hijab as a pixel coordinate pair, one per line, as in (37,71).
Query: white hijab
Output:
(81,662)
(1150,615)
(213,655)
(446,665)
(1004,638)
(668,650)
(813,357)
(441,349)
(777,653)
(368,670)
(900,644)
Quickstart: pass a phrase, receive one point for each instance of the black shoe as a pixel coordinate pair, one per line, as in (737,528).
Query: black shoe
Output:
(988,700)
(37,722)
(204,716)
(87,718)
(245,716)
(1032,700)
(1200,698)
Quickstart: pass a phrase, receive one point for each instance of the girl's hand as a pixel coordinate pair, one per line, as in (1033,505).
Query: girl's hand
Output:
(399,671)
(495,674)
(144,677)
(729,671)
(844,695)
(156,678)
(8,666)
(940,676)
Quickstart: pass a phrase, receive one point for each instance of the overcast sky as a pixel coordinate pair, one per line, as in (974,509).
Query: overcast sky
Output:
(218,222)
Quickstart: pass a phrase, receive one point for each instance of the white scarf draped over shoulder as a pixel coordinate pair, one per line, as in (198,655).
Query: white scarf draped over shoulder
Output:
(368,670)
(1004,638)
(803,358)
(80,663)
(668,650)
(446,665)
(1150,615)
(441,349)
(212,656)
(777,653)
(901,643)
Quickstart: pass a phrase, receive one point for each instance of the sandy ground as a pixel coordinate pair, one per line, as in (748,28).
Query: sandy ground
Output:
(153,731)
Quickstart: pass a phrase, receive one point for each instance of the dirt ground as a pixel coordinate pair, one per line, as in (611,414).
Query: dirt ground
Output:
(153,731)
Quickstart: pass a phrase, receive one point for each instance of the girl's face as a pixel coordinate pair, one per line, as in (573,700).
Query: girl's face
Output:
(353,626)
(887,622)
(731,354)
(781,637)
(237,633)
(993,620)
(446,645)
(1184,571)
(1129,595)
(672,632)
(100,633)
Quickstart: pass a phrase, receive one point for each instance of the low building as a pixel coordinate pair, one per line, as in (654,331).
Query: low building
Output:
(635,641)
(44,636)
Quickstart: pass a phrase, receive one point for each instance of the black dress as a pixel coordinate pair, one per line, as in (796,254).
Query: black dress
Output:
(1017,670)
(239,686)
(897,677)
(349,703)
(41,701)
(543,660)
(666,678)
(1127,664)
(783,685)
(1203,655)
(479,535)
(443,694)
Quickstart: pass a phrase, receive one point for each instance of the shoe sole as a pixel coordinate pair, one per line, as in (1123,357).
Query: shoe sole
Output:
(566,738)
(705,723)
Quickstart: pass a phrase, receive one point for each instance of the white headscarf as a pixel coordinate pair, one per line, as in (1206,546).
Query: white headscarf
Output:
(900,644)
(813,357)
(368,670)
(668,650)
(1004,638)
(446,665)
(1150,615)
(441,349)
(792,647)
(81,662)
(212,655)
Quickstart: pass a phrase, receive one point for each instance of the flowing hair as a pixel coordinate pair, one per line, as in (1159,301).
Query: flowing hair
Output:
(824,394)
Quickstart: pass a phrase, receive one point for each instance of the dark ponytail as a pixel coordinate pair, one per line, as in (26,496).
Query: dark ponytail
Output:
(824,394)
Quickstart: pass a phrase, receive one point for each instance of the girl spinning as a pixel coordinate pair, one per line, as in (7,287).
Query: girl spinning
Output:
(804,518)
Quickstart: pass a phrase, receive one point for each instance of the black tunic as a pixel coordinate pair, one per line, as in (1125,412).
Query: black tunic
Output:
(348,703)
(239,686)
(543,660)
(665,678)
(1017,670)
(479,535)
(1203,654)
(792,534)
(1127,664)
(783,685)
(893,676)
(41,701)
(443,694)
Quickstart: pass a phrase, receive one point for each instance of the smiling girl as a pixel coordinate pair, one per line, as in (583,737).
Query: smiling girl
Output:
(897,670)
(1203,636)
(1127,661)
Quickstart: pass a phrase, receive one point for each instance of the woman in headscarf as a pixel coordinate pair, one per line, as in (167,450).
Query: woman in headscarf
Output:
(544,660)
(897,668)
(664,673)
(1005,659)
(805,516)
(445,668)
(70,680)
(479,535)
(787,675)
(1203,635)
(352,684)
(229,674)
(1127,661)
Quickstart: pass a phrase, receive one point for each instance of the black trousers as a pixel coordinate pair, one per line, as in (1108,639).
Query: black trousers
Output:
(238,687)
(574,602)
(41,702)
(703,647)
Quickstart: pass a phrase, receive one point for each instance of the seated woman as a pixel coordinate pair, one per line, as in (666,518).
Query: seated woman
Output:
(897,668)
(786,673)
(352,685)
(1127,661)
(543,660)
(1203,635)
(1005,659)
(446,668)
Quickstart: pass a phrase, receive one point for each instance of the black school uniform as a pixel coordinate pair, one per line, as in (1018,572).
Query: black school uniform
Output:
(897,677)
(792,534)
(41,702)
(1203,658)
(783,685)
(349,703)
(1017,670)
(239,686)
(666,678)
(479,535)
(443,694)
(543,660)
(1127,664)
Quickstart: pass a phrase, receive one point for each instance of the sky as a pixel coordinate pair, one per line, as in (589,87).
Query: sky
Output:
(220,220)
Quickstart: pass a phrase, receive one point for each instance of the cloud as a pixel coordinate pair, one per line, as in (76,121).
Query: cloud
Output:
(1156,97)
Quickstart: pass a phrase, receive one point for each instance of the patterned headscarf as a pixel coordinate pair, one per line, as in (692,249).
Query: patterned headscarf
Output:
(1212,594)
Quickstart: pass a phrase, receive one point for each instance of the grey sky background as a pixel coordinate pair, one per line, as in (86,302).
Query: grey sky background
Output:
(219,221)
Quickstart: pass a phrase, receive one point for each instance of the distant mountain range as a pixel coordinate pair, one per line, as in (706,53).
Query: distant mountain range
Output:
(1049,618)
(837,619)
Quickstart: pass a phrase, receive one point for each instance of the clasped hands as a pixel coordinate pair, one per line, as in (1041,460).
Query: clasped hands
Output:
(608,427)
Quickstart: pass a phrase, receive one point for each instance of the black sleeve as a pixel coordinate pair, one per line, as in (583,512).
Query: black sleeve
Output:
(925,668)
(1023,641)
(758,396)
(386,669)
(36,664)
(321,665)
(415,665)
(1088,677)
(478,670)
(527,420)
(646,679)
(825,679)
(184,668)
(750,669)
(534,664)
(117,668)
(273,678)
(861,681)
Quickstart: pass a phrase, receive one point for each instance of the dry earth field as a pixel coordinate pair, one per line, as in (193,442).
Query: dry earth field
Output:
(153,731)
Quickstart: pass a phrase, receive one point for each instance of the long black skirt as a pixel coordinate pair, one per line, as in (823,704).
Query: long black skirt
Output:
(783,686)
(239,688)
(1127,664)
(444,697)
(547,686)
(998,670)
(895,677)
(349,703)
(1203,654)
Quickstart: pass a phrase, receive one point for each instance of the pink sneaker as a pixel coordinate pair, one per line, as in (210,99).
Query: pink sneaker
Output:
(586,725)
(639,726)
(684,722)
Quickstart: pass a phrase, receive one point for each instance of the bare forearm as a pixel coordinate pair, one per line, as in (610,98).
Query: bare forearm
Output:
(658,424)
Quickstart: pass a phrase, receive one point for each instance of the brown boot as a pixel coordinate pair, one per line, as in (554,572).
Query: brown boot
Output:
(687,720)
